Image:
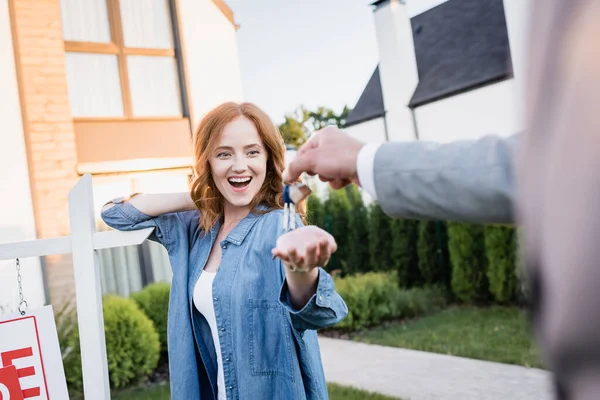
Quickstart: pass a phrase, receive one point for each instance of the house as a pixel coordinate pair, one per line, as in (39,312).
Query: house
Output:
(448,70)
(113,88)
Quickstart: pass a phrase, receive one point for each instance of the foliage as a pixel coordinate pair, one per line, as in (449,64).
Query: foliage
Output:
(405,233)
(500,249)
(154,301)
(373,298)
(432,249)
(358,235)
(315,211)
(469,266)
(132,345)
(380,239)
(337,207)
(301,123)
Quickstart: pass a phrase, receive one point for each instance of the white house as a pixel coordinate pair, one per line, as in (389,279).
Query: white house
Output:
(112,88)
(448,70)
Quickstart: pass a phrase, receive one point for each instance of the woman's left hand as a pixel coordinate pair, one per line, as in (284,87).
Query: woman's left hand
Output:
(305,248)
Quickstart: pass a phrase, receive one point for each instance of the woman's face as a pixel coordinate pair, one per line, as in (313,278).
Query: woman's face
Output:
(238,164)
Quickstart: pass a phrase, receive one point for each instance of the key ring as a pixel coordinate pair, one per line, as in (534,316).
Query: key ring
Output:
(292,195)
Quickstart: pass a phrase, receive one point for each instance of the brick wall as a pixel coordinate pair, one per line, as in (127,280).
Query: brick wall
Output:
(48,125)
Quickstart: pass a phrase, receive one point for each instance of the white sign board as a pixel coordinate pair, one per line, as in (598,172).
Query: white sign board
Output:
(30,343)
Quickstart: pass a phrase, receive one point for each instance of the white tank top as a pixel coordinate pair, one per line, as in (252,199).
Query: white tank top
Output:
(203,300)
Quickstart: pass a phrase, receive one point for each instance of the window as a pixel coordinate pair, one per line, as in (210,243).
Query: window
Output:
(120,59)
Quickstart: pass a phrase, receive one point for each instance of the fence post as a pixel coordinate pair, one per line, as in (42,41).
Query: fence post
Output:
(88,292)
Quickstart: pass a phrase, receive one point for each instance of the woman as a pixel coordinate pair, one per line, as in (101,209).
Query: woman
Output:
(242,324)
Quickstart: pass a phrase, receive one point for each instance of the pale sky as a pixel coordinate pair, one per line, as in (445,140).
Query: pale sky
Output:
(310,52)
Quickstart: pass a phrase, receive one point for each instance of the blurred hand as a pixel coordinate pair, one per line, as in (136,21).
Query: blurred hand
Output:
(305,248)
(331,154)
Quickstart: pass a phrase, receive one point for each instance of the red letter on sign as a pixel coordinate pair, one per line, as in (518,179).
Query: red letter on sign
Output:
(9,384)
(7,359)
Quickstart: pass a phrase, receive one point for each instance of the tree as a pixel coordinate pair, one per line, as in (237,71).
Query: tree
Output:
(500,245)
(326,116)
(432,248)
(301,123)
(405,234)
(294,128)
(469,265)
(315,211)
(380,239)
(358,236)
(337,212)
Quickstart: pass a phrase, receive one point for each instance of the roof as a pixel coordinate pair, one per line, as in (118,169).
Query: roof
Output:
(228,12)
(459,45)
(370,104)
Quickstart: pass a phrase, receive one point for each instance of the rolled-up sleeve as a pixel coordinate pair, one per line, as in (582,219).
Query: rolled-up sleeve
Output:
(324,309)
(123,216)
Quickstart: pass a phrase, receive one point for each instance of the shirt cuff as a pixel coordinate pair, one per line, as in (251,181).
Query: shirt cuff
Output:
(365,163)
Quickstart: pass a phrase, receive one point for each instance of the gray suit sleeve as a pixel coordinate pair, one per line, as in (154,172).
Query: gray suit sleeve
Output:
(468,180)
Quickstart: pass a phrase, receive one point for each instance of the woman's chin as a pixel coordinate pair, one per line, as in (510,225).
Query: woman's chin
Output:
(240,199)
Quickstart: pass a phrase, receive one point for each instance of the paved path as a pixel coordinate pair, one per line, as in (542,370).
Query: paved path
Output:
(417,375)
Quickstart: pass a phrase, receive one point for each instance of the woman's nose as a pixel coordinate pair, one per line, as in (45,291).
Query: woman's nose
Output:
(239,166)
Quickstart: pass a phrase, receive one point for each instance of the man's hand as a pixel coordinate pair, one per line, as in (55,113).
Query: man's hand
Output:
(331,154)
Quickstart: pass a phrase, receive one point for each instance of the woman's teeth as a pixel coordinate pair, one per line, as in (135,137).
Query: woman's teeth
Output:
(239,180)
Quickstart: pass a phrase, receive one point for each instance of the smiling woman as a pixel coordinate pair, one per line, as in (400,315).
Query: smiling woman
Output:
(229,295)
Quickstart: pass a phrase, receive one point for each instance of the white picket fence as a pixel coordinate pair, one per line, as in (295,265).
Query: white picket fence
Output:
(83,244)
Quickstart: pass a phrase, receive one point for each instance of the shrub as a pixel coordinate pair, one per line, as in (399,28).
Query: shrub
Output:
(500,249)
(380,239)
(432,249)
(467,255)
(154,301)
(132,346)
(315,213)
(373,298)
(358,235)
(337,207)
(404,252)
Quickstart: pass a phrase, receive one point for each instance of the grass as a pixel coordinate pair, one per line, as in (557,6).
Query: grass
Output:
(498,334)
(336,392)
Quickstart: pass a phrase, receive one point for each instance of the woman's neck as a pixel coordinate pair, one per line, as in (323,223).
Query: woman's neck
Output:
(232,215)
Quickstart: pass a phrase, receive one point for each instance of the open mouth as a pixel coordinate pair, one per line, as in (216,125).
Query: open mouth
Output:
(239,183)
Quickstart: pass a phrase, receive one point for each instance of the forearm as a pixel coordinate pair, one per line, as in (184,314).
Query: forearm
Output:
(160,203)
(471,181)
(302,286)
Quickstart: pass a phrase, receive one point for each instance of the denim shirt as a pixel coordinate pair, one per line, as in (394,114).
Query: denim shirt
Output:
(269,348)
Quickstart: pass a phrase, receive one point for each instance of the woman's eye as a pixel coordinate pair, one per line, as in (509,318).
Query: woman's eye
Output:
(221,155)
(253,152)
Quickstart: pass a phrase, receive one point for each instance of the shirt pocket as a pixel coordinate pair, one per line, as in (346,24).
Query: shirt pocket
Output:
(270,339)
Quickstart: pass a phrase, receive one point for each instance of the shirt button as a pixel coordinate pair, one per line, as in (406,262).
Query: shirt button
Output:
(230,387)
(224,246)
(222,329)
(227,360)
(321,298)
(215,299)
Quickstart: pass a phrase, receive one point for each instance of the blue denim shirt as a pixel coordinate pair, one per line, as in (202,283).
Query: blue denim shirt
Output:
(269,349)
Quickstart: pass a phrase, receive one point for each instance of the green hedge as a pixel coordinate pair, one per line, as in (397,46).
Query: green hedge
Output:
(469,265)
(337,207)
(373,298)
(432,250)
(154,301)
(380,239)
(358,235)
(500,245)
(132,345)
(405,259)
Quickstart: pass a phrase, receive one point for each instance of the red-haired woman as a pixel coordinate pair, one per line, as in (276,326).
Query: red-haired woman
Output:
(246,299)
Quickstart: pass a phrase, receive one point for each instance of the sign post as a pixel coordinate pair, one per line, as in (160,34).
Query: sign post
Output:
(83,243)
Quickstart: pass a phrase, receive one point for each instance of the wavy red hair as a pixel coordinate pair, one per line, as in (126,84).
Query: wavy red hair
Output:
(204,193)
